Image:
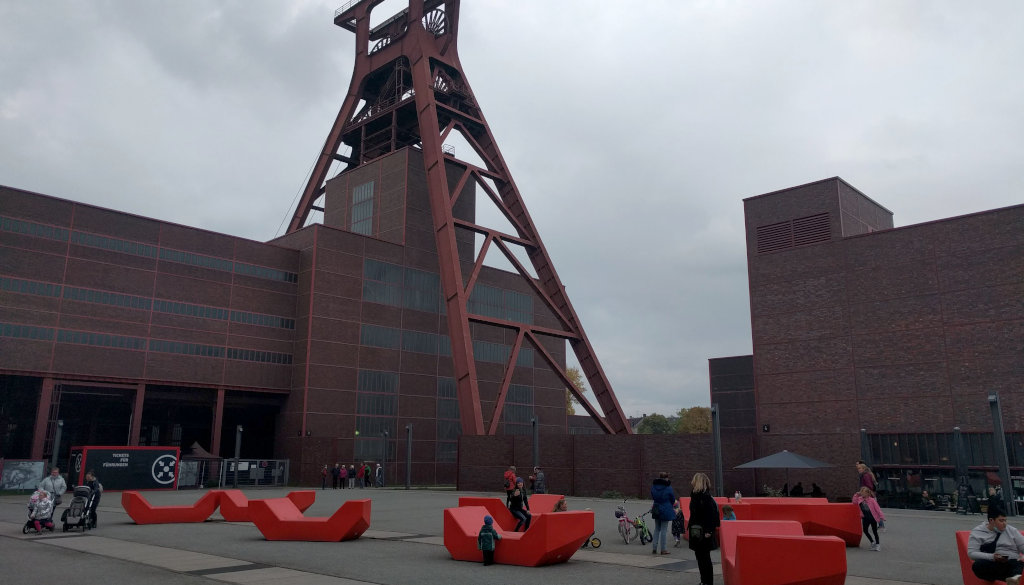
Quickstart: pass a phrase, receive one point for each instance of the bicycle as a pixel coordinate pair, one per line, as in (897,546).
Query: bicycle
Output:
(631,529)
(642,530)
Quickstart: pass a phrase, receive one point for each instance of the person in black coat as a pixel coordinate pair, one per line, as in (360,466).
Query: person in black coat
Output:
(703,513)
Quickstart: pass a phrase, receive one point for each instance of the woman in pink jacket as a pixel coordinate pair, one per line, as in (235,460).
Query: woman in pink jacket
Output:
(870,515)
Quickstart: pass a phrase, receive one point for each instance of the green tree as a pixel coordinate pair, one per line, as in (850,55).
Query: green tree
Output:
(654,424)
(694,420)
(576,376)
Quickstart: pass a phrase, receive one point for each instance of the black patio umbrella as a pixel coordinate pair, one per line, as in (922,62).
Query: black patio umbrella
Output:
(784,460)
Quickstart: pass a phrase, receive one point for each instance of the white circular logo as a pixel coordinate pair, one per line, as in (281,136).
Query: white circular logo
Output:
(78,463)
(163,469)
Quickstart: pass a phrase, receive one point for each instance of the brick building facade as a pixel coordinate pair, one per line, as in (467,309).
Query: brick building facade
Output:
(325,343)
(903,332)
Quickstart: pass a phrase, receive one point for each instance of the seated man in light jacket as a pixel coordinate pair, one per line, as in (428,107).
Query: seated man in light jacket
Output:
(996,548)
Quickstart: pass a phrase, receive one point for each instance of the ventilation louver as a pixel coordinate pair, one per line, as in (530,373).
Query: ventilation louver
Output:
(798,232)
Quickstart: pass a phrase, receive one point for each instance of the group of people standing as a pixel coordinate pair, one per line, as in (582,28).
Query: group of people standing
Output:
(50,493)
(351,477)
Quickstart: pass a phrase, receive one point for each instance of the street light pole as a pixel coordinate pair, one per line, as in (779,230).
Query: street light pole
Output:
(238,451)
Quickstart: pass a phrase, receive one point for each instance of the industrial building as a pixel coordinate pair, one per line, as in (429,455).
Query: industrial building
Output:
(902,332)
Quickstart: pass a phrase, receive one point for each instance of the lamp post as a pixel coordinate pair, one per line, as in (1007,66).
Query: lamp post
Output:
(238,451)
(383,457)
(999,442)
(408,455)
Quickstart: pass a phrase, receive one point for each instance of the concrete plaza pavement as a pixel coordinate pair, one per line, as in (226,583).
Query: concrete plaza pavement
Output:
(404,546)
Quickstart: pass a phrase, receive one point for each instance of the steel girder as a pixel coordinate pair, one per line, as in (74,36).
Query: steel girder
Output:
(420,45)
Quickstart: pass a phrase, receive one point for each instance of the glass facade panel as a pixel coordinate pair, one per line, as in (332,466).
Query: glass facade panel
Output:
(362,209)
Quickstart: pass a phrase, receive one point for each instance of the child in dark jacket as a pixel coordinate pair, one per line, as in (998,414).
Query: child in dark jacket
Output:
(678,523)
(487,540)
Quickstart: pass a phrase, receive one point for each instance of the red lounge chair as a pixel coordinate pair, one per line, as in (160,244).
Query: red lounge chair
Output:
(818,519)
(142,512)
(234,506)
(778,553)
(552,537)
(965,561)
(281,519)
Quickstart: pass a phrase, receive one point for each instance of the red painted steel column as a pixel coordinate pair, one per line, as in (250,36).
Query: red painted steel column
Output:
(42,418)
(140,398)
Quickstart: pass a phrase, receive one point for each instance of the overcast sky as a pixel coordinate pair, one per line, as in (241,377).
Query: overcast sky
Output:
(632,129)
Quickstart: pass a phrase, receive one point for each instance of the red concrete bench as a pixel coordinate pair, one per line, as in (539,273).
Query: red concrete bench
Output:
(142,512)
(778,553)
(539,504)
(817,518)
(234,505)
(552,537)
(965,561)
(281,519)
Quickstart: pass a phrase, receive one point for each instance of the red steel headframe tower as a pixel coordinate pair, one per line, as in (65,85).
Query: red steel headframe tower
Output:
(408,89)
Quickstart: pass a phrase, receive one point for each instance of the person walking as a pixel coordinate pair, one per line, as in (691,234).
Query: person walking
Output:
(662,512)
(870,515)
(94,498)
(865,477)
(55,485)
(378,475)
(704,523)
(540,481)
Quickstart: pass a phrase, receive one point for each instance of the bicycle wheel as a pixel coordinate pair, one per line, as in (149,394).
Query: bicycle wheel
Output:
(634,533)
(624,531)
(595,542)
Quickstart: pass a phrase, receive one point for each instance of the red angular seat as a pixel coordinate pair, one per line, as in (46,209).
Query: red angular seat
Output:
(553,537)
(142,512)
(778,553)
(817,518)
(234,505)
(539,504)
(965,561)
(281,519)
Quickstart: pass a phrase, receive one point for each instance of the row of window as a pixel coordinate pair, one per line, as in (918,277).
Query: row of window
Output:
(143,303)
(140,344)
(434,344)
(939,449)
(144,250)
(396,286)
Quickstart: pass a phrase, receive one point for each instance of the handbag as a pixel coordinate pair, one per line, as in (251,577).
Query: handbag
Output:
(696,533)
(990,547)
(654,512)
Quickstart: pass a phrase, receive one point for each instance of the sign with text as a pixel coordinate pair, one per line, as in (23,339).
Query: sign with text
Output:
(127,468)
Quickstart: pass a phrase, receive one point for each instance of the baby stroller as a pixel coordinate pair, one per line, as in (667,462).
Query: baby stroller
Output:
(39,510)
(77,515)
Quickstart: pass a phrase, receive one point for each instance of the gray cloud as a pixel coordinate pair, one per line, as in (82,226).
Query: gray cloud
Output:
(633,131)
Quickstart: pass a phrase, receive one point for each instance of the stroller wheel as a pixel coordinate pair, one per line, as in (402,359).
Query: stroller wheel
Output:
(595,542)
(24,529)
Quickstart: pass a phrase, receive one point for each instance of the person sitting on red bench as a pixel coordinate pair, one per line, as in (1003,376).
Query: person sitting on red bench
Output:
(996,549)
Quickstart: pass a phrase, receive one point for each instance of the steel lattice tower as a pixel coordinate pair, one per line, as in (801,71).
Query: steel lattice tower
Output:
(407,74)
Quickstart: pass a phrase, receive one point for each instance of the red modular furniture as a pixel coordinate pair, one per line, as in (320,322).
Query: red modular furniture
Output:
(778,553)
(965,562)
(539,504)
(821,519)
(234,506)
(281,519)
(142,512)
(552,538)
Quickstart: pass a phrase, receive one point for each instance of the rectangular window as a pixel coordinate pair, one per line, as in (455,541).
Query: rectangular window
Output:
(362,209)
(377,336)
(448,426)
